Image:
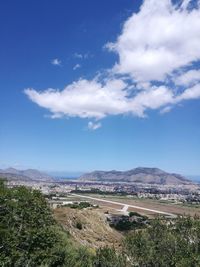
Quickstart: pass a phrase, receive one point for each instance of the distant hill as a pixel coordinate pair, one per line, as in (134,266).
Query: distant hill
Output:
(25,175)
(139,175)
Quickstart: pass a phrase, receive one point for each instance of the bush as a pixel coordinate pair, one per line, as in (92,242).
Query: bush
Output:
(81,205)
(133,213)
(125,223)
(79,225)
(108,257)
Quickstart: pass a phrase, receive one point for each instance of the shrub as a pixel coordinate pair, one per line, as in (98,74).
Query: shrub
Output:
(79,225)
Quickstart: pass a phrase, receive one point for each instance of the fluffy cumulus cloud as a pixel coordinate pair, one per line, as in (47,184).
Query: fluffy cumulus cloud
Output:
(158,40)
(158,66)
(84,99)
(94,99)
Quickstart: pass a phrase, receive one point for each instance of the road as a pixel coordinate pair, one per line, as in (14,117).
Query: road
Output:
(126,206)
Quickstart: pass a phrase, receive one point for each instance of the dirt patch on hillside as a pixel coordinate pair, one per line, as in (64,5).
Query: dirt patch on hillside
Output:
(88,226)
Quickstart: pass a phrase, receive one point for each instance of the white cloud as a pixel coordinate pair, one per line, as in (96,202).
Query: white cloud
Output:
(78,55)
(56,62)
(94,99)
(85,99)
(159,53)
(94,126)
(158,40)
(77,66)
(190,93)
(166,109)
(188,78)
(185,4)
(82,56)
(154,98)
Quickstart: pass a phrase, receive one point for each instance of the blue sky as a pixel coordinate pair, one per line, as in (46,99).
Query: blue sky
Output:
(124,92)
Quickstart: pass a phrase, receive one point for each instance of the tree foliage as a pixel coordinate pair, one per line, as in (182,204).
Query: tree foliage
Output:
(29,236)
(172,244)
(108,257)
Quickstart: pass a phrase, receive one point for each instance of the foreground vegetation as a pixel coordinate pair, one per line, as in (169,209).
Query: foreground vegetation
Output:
(175,244)
(29,236)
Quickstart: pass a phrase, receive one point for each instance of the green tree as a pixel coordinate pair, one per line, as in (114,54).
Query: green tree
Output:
(27,229)
(108,257)
(29,235)
(166,244)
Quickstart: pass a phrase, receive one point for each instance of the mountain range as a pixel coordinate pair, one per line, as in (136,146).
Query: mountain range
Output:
(25,175)
(139,175)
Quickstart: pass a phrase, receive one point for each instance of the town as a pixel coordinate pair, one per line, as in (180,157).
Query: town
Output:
(178,194)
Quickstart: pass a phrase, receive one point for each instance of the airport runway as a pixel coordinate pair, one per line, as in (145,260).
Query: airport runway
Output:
(126,206)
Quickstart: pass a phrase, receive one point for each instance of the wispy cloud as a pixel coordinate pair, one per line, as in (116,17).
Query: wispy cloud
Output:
(94,126)
(77,66)
(78,55)
(83,56)
(166,109)
(157,67)
(56,62)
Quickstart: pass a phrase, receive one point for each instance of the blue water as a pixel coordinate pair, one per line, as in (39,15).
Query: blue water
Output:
(194,178)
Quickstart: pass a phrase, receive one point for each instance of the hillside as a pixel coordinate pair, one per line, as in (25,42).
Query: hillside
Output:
(95,231)
(139,175)
(25,175)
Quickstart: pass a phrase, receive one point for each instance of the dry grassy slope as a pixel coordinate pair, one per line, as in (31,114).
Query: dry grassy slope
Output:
(96,232)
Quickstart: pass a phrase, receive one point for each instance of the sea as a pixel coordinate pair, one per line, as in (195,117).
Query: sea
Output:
(194,178)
